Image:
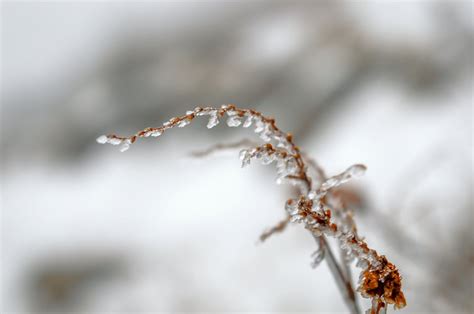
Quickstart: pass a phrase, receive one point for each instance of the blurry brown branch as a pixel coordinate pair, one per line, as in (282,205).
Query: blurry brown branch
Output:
(280,227)
(222,146)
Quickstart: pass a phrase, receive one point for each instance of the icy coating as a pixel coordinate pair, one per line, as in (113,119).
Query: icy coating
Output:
(315,207)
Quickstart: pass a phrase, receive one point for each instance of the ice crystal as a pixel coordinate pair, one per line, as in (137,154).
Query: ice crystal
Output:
(291,207)
(318,257)
(357,170)
(156,133)
(200,112)
(344,245)
(268,159)
(243,154)
(281,140)
(102,139)
(125,146)
(213,120)
(266,135)
(296,218)
(313,195)
(234,121)
(245,157)
(285,167)
(332,182)
(248,121)
(309,220)
(148,133)
(114,141)
(184,123)
(349,173)
(259,126)
(316,232)
(281,166)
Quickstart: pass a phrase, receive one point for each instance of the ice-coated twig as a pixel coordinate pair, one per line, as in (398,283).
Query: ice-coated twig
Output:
(319,172)
(379,279)
(222,146)
(342,282)
(280,227)
(344,216)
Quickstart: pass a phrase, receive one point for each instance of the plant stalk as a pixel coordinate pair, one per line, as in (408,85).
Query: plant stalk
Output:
(344,285)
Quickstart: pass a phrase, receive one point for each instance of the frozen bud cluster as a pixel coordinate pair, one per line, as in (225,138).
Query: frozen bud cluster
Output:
(378,272)
(315,220)
(383,285)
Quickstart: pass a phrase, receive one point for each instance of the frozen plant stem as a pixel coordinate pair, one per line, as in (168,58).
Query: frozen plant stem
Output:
(342,276)
(343,282)
(346,267)
(321,213)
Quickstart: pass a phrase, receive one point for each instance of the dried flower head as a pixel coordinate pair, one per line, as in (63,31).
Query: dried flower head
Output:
(322,212)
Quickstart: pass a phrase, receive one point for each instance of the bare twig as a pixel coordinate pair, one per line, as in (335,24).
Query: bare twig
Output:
(222,146)
(280,227)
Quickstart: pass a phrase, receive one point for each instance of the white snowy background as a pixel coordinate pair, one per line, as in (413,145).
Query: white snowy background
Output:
(88,229)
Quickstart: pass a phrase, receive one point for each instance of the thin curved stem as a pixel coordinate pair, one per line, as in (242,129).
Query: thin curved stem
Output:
(343,283)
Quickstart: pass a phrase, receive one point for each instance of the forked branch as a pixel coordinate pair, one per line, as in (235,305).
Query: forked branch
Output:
(313,206)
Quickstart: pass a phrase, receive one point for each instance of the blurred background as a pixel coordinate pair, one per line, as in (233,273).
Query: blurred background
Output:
(88,229)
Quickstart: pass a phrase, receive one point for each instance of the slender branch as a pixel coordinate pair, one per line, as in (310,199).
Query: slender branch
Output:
(342,282)
(342,276)
(380,279)
(280,227)
(348,275)
(222,146)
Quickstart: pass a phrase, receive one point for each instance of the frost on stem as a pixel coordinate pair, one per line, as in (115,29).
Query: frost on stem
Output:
(318,256)
(379,279)
(313,207)
(351,172)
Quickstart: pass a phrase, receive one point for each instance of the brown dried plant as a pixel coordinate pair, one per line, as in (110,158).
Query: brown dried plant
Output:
(322,212)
